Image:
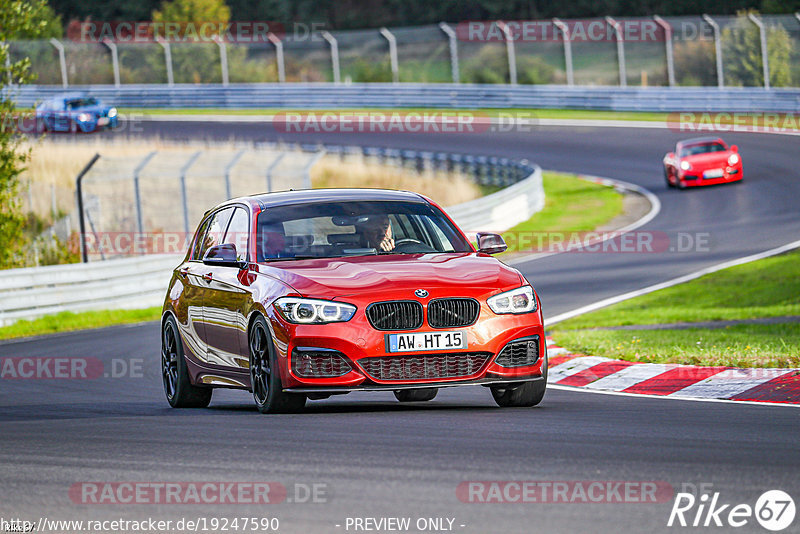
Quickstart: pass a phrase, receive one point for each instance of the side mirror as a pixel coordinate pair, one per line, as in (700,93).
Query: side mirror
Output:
(734,148)
(670,155)
(491,243)
(222,255)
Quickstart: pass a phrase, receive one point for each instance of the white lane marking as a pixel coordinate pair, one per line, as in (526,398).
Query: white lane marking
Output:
(573,366)
(675,281)
(584,389)
(730,382)
(629,376)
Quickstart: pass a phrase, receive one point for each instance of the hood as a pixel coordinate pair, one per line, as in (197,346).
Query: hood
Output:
(467,274)
(709,158)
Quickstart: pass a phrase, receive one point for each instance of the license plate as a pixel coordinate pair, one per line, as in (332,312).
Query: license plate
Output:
(426,341)
(102,121)
(714,173)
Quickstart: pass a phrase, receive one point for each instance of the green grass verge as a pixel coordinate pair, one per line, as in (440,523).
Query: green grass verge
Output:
(765,288)
(571,205)
(743,345)
(494,112)
(69,321)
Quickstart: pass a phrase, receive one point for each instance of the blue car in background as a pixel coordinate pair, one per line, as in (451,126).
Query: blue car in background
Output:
(73,113)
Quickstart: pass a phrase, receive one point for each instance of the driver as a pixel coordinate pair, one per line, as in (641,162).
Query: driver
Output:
(376,232)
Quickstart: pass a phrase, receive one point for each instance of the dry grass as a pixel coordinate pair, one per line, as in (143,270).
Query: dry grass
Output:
(55,163)
(446,189)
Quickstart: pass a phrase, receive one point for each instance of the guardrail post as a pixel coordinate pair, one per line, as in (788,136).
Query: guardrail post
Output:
(334,54)
(184,199)
(764,54)
(278,56)
(223,58)
(79,194)
(453,42)
(167,59)
(271,168)
(623,75)
(392,54)
(309,166)
(717,49)
(8,65)
(114,59)
(667,49)
(512,57)
(62,59)
(137,195)
(567,39)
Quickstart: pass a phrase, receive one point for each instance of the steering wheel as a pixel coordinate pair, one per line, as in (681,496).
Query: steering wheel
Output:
(407,240)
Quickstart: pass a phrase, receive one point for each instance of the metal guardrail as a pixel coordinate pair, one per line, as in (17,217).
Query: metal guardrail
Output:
(469,96)
(141,281)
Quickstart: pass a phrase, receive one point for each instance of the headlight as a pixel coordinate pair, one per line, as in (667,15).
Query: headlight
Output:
(310,311)
(733,159)
(520,300)
(112,113)
(686,166)
(84,117)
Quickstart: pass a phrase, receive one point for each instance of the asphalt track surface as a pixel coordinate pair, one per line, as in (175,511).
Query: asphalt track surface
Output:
(378,458)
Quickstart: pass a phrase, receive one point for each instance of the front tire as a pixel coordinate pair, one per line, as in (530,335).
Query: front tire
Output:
(265,380)
(416,395)
(666,177)
(177,386)
(525,394)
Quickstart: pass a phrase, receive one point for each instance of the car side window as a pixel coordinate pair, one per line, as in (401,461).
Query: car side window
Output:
(239,232)
(215,232)
(198,239)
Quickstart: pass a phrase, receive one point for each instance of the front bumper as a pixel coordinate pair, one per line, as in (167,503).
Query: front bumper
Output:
(358,342)
(695,178)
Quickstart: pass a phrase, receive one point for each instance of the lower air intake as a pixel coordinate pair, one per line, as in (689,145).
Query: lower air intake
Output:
(425,366)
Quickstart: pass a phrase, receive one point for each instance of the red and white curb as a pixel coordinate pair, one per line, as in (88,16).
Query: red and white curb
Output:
(672,380)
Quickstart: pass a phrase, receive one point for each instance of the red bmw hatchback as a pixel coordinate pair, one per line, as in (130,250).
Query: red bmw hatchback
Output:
(306,294)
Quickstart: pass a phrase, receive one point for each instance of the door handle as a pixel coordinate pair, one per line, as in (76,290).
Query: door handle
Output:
(183,271)
(207,277)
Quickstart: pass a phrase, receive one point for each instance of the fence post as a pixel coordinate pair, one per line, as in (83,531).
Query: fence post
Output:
(223,58)
(392,54)
(114,59)
(278,56)
(167,59)
(307,170)
(79,194)
(567,38)
(623,75)
(184,199)
(453,44)
(334,55)
(137,196)
(512,57)
(667,49)
(228,169)
(271,168)
(764,54)
(62,59)
(717,50)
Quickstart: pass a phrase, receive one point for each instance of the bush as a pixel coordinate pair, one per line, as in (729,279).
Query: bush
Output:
(490,65)
(742,54)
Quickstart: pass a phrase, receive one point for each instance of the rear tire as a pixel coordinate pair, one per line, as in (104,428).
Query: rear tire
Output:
(265,380)
(180,391)
(525,394)
(416,395)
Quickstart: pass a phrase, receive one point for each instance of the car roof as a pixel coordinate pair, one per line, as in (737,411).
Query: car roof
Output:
(700,140)
(283,198)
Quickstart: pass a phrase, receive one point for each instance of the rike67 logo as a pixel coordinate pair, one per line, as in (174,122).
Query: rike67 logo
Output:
(774,510)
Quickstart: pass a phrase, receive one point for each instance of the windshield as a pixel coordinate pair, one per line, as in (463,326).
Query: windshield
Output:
(81,103)
(337,229)
(703,148)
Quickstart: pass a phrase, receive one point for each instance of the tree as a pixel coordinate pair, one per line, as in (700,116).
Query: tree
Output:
(742,53)
(18,19)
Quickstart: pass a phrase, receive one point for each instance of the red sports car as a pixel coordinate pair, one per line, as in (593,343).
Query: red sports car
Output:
(306,294)
(702,161)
